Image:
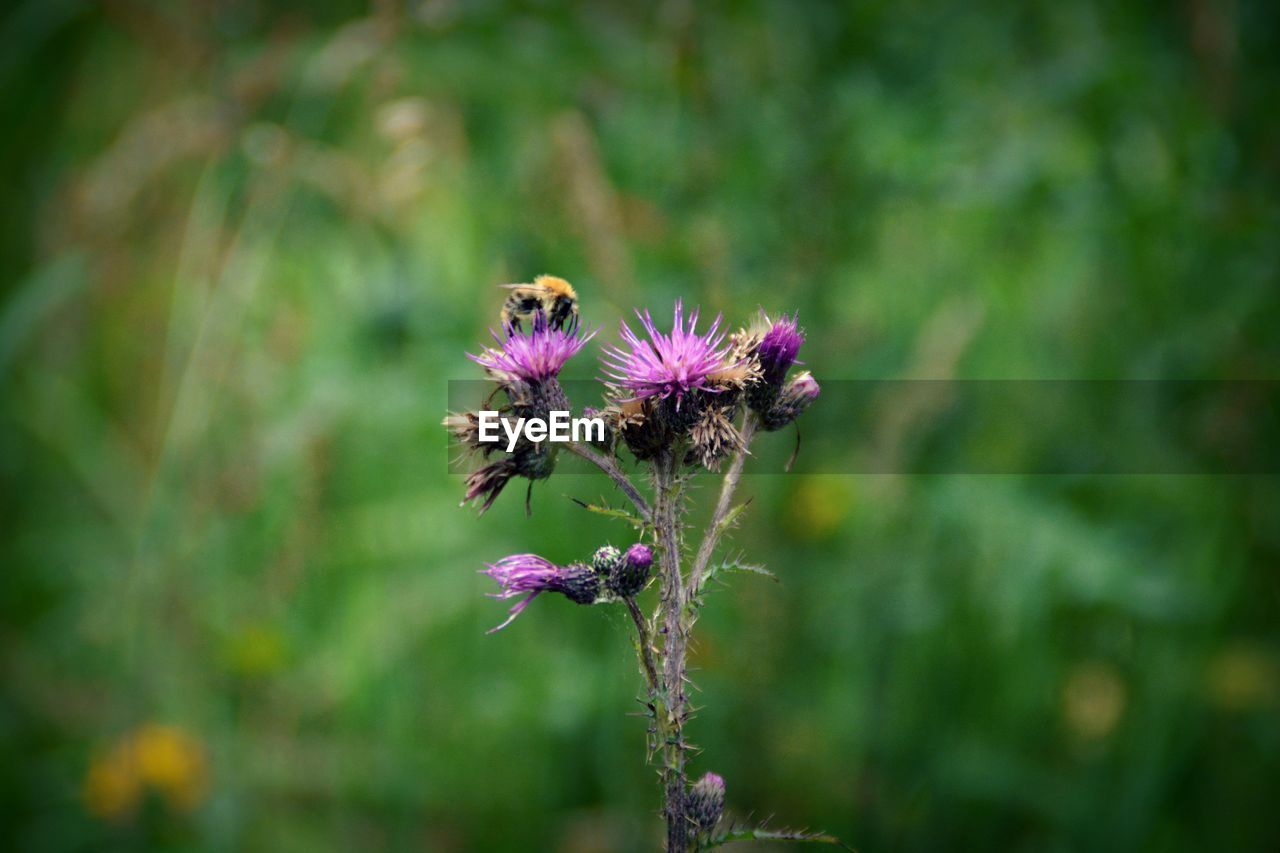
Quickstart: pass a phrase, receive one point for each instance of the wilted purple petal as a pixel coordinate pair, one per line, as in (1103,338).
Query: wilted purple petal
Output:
(529,575)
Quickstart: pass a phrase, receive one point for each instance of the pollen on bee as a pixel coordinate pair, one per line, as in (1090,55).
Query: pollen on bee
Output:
(556,285)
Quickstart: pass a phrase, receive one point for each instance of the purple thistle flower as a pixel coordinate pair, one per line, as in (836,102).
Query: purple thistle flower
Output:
(779,347)
(529,575)
(535,357)
(664,365)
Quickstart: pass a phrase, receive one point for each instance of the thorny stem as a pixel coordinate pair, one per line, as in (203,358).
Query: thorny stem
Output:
(671,714)
(730,484)
(667,688)
(646,649)
(611,468)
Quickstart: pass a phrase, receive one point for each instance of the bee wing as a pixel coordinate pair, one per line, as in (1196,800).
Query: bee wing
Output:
(513,286)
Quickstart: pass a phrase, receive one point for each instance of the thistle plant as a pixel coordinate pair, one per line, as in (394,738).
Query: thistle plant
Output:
(676,403)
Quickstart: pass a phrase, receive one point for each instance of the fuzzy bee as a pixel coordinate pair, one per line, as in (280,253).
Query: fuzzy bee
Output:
(552,297)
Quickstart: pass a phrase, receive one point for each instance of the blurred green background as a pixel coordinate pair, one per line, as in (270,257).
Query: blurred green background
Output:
(245,245)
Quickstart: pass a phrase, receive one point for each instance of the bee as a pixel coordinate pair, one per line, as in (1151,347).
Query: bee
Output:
(553,298)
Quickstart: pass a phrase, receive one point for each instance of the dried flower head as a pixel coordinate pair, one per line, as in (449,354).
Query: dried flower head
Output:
(743,343)
(533,358)
(465,429)
(531,461)
(713,437)
(667,365)
(530,575)
(735,375)
(488,482)
(706,802)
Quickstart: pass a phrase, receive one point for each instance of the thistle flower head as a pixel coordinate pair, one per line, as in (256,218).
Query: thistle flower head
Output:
(532,358)
(529,575)
(779,346)
(667,365)
(631,572)
(706,802)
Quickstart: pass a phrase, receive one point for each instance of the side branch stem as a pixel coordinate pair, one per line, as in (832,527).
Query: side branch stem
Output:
(727,488)
(610,467)
(646,648)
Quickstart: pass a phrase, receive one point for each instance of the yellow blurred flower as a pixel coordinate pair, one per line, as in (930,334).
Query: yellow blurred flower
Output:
(1243,677)
(155,758)
(111,788)
(1093,700)
(817,507)
(257,650)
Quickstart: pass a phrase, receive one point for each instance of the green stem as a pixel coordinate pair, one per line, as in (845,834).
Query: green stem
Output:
(727,488)
(672,716)
(646,648)
(607,465)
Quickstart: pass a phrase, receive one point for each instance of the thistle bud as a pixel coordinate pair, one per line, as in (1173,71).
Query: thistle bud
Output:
(605,560)
(706,802)
(796,396)
(631,572)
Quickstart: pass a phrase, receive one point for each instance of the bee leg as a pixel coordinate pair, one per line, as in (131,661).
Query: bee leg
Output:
(528,501)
